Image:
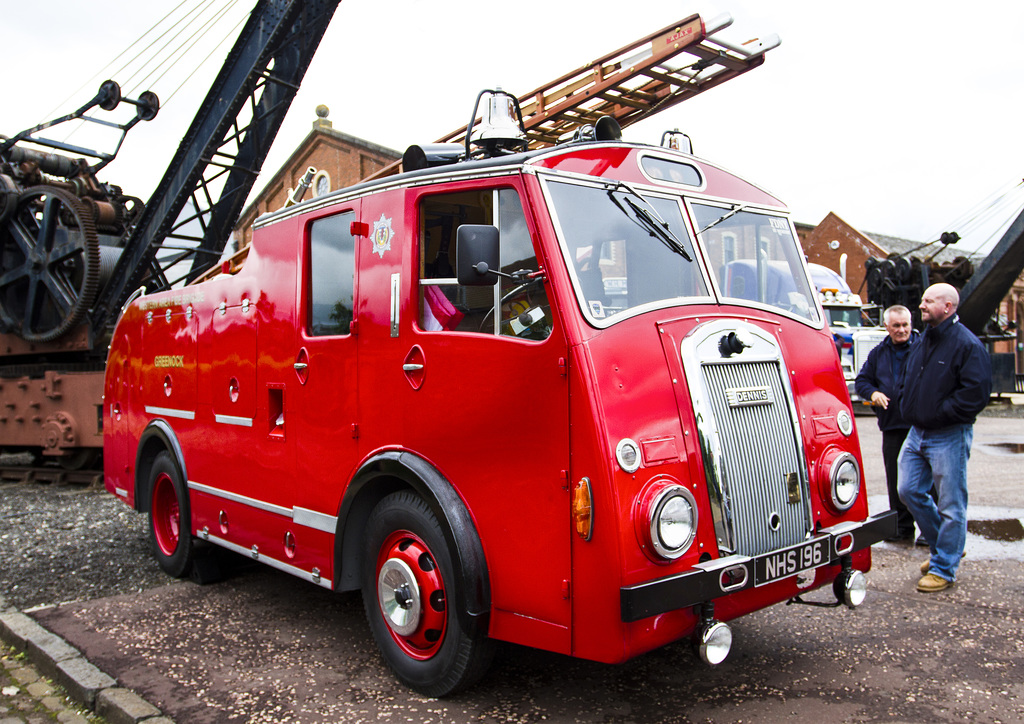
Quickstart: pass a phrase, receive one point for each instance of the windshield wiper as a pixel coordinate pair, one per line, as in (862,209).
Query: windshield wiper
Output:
(647,218)
(734,210)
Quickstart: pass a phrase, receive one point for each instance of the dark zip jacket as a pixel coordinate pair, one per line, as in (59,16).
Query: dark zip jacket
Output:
(948,378)
(883,373)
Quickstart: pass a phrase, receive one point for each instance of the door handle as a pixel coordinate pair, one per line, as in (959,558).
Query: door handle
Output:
(413,366)
(300,366)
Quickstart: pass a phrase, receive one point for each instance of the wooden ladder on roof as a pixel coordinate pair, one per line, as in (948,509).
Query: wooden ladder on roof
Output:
(632,83)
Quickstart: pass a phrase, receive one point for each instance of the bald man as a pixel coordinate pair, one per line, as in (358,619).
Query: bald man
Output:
(947,382)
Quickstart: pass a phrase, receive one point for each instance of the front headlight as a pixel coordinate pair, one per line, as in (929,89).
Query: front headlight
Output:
(673,522)
(844,481)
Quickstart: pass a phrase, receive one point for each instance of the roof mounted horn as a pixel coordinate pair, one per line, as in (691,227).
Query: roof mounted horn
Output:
(429,155)
(605,129)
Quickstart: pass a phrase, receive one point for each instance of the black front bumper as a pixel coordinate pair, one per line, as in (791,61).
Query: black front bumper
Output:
(704,582)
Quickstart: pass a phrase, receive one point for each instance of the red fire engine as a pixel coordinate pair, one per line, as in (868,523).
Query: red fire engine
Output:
(580,398)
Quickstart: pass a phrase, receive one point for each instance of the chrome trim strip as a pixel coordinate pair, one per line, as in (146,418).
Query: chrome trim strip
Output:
(170,412)
(244,500)
(315,520)
(233,420)
(273,562)
(350,195)
(396,302)
(301,516)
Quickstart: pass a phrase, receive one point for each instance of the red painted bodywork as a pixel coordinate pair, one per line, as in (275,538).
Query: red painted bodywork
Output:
(510,424)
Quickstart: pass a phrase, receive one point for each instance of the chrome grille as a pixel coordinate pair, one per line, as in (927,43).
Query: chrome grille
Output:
(759,456)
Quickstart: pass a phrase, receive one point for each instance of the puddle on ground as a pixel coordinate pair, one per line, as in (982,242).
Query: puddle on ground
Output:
(1008,529)
(1013,447)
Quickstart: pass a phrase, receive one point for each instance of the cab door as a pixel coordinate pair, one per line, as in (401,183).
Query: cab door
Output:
(472,379)
(321,424)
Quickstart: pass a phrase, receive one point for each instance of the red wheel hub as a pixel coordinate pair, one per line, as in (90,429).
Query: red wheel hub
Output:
(411,594)
(166,514)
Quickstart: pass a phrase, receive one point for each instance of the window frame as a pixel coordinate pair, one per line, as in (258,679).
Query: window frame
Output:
(345,217)
(494,189)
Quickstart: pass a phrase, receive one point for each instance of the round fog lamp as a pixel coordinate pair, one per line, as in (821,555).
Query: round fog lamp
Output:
(851,587)
(715,643)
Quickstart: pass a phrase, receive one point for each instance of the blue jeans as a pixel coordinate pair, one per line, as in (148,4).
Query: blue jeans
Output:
(938,457)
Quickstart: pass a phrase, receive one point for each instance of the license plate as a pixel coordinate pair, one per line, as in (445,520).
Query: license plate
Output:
(782,564)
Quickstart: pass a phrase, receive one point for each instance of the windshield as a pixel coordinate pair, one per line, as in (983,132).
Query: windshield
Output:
(625,250)
(754,257)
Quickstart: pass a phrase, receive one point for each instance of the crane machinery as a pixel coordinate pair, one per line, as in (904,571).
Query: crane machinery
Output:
(902,279)
(73,249)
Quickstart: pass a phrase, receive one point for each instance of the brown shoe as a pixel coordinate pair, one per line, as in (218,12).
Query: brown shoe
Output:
(932,584)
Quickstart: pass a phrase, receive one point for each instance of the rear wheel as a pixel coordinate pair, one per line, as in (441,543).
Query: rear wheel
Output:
(169,519)
(408,584)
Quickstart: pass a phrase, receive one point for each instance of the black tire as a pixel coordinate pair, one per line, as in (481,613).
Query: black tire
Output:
(170,522)
(421,639)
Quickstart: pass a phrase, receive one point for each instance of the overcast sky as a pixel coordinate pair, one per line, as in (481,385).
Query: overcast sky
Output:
(901,116)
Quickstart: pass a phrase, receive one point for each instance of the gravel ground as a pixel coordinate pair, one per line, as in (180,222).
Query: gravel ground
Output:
(62,543)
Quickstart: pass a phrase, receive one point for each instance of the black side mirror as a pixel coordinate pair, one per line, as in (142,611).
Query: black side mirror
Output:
(476,255)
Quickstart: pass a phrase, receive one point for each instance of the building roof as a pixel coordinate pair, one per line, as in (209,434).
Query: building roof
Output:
(322,127)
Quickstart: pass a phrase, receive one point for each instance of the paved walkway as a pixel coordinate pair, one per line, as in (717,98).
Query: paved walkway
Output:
(44,679)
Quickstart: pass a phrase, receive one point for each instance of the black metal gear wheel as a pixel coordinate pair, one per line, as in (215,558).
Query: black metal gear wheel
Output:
(49,264)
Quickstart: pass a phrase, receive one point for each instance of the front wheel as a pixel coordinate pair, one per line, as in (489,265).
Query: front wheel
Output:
(170,534)
(408,584)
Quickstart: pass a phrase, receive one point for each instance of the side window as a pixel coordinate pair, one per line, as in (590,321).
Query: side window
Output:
(331,275)
(510,308)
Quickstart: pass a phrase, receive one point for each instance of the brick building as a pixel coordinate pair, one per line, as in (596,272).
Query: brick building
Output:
(339,159)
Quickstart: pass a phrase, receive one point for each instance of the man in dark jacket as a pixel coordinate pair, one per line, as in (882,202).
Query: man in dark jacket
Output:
(947,382)
(878,382)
